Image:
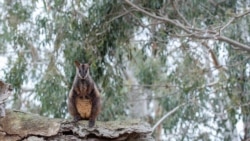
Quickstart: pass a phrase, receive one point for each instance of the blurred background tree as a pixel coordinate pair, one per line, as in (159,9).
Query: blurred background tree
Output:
(148,58)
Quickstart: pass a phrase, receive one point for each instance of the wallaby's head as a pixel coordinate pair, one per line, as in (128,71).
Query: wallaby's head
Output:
(82,69)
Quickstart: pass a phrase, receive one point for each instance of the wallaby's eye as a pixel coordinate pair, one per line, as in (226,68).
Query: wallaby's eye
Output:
(81,70)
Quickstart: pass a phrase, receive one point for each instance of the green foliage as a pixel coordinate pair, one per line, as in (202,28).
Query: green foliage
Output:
(148,72)
(154,5)
(17,74)
(51,93)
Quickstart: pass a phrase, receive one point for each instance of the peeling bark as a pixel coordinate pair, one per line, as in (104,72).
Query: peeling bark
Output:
(22,126)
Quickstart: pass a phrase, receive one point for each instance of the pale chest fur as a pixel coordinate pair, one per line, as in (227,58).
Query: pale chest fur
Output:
(83,107)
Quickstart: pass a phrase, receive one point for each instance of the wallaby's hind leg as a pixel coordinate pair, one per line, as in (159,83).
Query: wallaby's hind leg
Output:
(96,106)
(72,108)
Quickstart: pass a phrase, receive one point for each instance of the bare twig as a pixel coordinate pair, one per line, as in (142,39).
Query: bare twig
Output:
(230,21)
(121,15)
(148,85)
(167,115)
(233,19)
(243,14)
(180,15)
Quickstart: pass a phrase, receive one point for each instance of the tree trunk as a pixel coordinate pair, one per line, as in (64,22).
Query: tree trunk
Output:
(137,97)
(18,125)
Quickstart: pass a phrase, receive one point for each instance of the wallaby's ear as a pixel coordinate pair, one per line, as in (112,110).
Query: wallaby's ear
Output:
(77,64)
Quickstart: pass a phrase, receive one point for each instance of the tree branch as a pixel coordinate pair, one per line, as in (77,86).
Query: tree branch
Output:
(167,115)
(213,56)
(157,17)
(204,34)
(234,43)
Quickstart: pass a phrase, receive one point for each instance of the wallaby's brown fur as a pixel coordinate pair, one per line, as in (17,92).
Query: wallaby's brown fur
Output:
(84,98)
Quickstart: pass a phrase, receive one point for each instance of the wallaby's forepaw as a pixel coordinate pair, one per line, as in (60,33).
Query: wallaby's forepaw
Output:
(91,123)
(77,118)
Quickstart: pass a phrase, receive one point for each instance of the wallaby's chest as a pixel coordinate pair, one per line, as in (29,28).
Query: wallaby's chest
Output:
(83,88)
(83,102)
